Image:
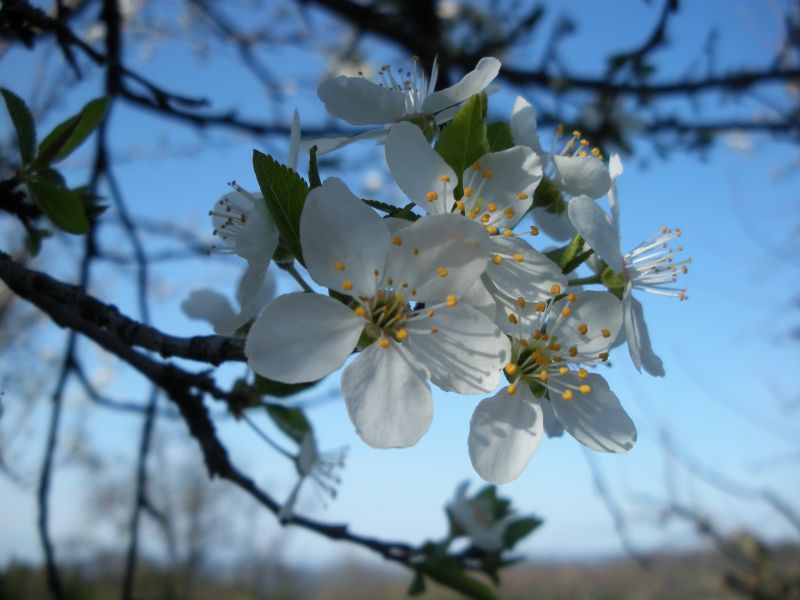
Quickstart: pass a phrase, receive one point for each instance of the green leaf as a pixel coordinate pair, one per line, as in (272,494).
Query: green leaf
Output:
(291,421)
(63,207)
(392,211)
(23,124)
(463,140)
(516,530)
(499,137)
(417,587)
(71,133)
(33,242)
(285,193)
(277,389)
(577,261)
(450,573)
(313,169)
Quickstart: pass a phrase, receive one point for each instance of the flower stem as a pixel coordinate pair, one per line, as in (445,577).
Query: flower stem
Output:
(584,280)
(297,277)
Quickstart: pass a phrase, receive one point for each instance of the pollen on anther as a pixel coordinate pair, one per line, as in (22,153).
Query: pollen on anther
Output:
(441,272)
(401,334)
(487,174)
(431,313)
(555,289)
(509,213)
(347,284)
(508,233)
(383,342)
(360,311)
(339,266)
(573,351)
(397,240)
(510,369)
(497,259)
(415,251)
(605,333)
(521,302)
(534,230)
(511,389)
(492,230)
(566,311)
(431,196)
(522,196)
(468,191)
(582,373)
(571,297)
(513,319)
(540,307)
(567,395)
(451,300)
(485,218)
(376,272)
(518,257)
(563,370)
(585,389)
(444,178)
(491,207)
(544,376)
(583,329)
(434,330)
(603,356)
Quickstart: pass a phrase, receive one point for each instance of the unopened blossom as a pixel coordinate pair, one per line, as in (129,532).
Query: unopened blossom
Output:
(498,191)
(348,248)
(474,517)
(399,94)
(548,372)
(651,266)
(321,468)
(574,168)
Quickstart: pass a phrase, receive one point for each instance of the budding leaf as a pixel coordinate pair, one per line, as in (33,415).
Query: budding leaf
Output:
(285,193)
(463,140)
(62,206)
(449,572)
(290,421)
(71,133)
(499,137)
(23,123)
(517,530)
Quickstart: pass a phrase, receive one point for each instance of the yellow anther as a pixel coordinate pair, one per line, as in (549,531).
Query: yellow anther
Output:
(664,229)
(441,272)
(414,57)
(563,370)
(513,319)
(582,373)
(497,259)
(347,284)
(508,233)
(521,302)
(359,310)
(390,281)
(584,143)
(376,272)
(571,297)
(405,284)
(460,205)
(401,334)
(431,313)
(567,395)
(492,230)
(583,329)
(544,376)
(534,230)
(566,311)
(444,178)
(573,351)
(596,152)
(554,347)
(582,154)
(511,389)
(603,356)
(510,369)
(518,257)
(585,389)
(413,292)
(383,342)
(487,174)
(540,307)
(431,196)
(523,196)
(485,218)
(468,191)
(473,212)
(491,207)
(339,266)
(397,240)
(434,330)
(509,213)
(401,297)
(451,301)
(555,289)
(605,332)
(415,251)
(576,133)
(476,166)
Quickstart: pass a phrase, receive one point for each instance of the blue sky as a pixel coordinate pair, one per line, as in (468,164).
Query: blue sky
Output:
(729,399)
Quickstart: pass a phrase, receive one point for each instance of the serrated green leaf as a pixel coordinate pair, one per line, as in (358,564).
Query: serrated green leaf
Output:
(285,193)
(517,530)
(463,140)
(62,206)
(291,421)
(498,134)
(23,123)
(71,133)
(313,169)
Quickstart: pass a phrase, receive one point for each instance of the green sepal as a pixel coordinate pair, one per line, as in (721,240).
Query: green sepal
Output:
(463,140)
(427,124)
(391,210)
(547,195)
(577,261)
(498,134)
(285,194)
(313,169)
(267,387)
(500,507)
(70,134)
(519,529)
(23,123)
(612,279)
(566,255)
(291,421)
(62,206)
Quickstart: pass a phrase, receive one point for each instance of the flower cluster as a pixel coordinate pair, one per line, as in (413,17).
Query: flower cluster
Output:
(449,291)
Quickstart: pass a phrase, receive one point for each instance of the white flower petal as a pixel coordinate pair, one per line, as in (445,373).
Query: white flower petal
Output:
(419,170)
(522,271)
(327,145)
(597,419)
(523,125)
(466,352)
(343,239)
(437,256)
(361,102)
(207,305)
(242,221)
(554,226)
(256,289)
(479,297)
(597,310)
(302,337)
(504,433)
(515,173)
(472,83)
(638,337)
(615,170)
(581,175)
(594,226)
(387,397)
(552,426)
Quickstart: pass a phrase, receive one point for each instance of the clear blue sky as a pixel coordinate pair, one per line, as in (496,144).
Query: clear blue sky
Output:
(729,399)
